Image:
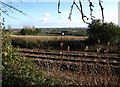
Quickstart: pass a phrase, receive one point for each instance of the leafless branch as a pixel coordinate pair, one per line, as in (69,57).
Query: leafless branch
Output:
(91,10)
(101,9)
(7,5)
(7,8)
(5,12)
(59,6)
(71,10)
(80,8)
(83,16)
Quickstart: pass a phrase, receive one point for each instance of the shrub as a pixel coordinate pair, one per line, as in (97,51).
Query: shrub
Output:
(103,32)
(106,35)
(18,71)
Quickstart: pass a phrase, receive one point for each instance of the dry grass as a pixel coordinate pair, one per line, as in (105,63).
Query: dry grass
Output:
(47,38)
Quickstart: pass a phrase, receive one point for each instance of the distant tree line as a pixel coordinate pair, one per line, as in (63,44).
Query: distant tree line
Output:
(53,31)
(29,31)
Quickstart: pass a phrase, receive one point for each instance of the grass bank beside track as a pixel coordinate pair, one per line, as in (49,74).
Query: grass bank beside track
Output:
(49,42)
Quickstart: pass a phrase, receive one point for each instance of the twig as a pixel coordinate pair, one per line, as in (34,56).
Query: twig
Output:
(91,10)
(9,15)
(83,16)
(101,10)
(71,10)
(59,6)
(80,8)
(8,8)
(12,7)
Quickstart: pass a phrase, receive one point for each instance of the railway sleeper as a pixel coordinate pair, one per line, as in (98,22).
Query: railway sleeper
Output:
(64,67)
(73,67)
(96,69)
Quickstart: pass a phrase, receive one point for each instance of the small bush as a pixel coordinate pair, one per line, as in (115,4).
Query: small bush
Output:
(104,33)
(18,71)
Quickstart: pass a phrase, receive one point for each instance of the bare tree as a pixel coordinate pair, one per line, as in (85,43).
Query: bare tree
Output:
(80,9)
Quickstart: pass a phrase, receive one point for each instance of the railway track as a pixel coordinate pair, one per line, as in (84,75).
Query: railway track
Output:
(85,57)
(88,67)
